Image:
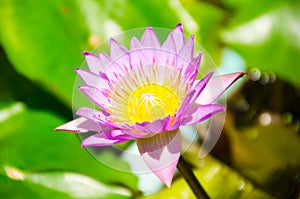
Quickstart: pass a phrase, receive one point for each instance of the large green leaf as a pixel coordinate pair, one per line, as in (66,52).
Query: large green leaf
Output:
(16,189)
(106,18)
(28,143)
(270,42)
(71,184)
(44,41)
(209,20)
(217,179)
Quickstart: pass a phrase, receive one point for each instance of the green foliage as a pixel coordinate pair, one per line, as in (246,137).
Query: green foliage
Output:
(41,42)
(267,38)
(29,144)
(44,41)
(213,175)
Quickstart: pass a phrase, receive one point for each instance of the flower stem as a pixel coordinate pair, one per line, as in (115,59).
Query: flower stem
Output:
(191,179)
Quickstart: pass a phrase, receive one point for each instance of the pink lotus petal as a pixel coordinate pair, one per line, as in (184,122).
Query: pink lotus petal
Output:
(119,54)
(93,62)
(112,68)
(96,96)
(80,125)
(187,50)
(192,95)
(201,85)
(185,55)
(92,80)
(199,113)
(150,44)
(193,68)
(149,39)
(106,138)
(105,60)
(154,127)
(169,44)
(134,133)
(97,117)
(161,153)
(178,37)
(216,87)
(167,54)
(138,56)
(176,122)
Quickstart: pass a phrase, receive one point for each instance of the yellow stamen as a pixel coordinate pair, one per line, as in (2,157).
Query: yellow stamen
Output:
(151,102)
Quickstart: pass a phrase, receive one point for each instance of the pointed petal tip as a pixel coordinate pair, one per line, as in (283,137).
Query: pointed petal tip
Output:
(161,153)
(242,74)
(65,129)
(83,145)
(86,53)
(112,40)
(166,174)
(199,56)
(149,27)
(179,28)
(179,25)
(168,183)
(57,129)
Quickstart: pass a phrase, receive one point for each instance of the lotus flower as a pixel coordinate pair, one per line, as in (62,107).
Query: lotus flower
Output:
(145,94)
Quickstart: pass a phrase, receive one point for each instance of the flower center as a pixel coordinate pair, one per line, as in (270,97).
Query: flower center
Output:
(151,102)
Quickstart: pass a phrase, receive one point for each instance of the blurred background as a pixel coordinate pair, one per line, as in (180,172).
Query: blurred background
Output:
(41,42)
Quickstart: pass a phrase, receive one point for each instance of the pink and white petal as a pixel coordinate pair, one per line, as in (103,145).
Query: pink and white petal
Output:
(149,39)
(167,54)
(105,60)
(98,117)
(178,36)
(96,96)
(105,139)
(161,153)
(217,86)
(154,127)
(199,113)
(192,95)
(175,124)
(112,68)
(79,125)
(138,57)
(134,133)
(150,44)
(169,44)
(93,80)
(119,54)
(192,70)
(93,62)
(187,50)
(185,55)
(201,85)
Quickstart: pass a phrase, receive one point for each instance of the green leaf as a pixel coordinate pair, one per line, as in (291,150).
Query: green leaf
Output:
(70,185)
(217,179)
(270,42)
(209,20)
(16,189)
(28,142)
(245,10)
(44,40)
(109,17)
